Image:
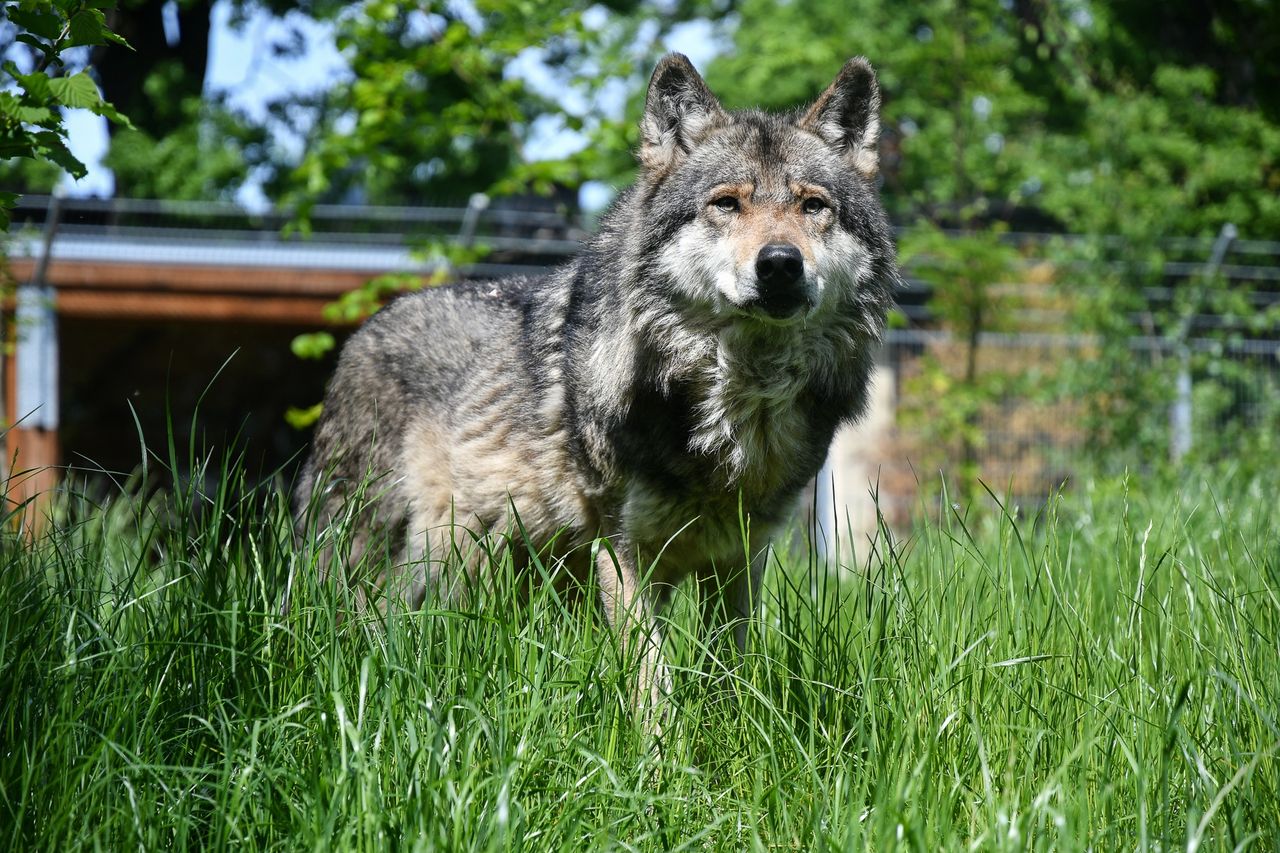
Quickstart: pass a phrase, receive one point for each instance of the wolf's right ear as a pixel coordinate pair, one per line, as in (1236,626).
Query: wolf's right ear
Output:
(678,112)
(847,116)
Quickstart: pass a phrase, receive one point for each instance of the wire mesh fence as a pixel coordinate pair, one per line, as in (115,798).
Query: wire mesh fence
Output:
(1042,411)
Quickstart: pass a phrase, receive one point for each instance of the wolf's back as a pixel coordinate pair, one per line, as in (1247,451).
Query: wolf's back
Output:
(412,369)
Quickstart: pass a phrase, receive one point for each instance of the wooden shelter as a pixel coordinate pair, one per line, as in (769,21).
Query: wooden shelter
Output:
(177,270)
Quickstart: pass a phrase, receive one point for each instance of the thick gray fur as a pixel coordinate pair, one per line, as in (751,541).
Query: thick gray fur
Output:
(639,393)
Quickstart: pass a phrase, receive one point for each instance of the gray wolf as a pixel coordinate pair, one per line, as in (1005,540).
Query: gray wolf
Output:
(670,391)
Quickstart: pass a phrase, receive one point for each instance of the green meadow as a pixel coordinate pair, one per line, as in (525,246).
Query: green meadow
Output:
(1099,673)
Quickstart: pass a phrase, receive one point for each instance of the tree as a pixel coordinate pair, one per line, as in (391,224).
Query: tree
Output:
(193,145)
(1081,119)
(160,83)
(1167,159)
(429,112)
(168,68)
(1237,40)
(958,119)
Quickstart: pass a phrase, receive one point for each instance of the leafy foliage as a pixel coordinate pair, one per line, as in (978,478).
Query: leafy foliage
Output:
(208,156)
(31,103)
(432,111)
(957,120)
(1168,160)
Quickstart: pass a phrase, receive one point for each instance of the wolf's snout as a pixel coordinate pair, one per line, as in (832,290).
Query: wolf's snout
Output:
(779,265)
(780,287)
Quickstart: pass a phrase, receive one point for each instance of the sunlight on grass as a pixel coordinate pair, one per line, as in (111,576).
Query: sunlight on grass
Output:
(1103,675)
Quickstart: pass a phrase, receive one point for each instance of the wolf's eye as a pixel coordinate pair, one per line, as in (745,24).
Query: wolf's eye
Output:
(813,205)
(727,203)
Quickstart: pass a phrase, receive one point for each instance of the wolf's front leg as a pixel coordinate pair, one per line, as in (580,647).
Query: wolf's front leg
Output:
(629,607)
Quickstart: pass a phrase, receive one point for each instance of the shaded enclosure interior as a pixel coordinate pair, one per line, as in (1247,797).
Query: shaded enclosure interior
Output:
(234,380)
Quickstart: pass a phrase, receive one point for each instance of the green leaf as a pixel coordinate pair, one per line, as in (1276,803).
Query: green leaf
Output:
(78,90)
(109,112)
(54,148)
(15,108)
(36,84)
(116,38)
(88,26)
(18,144)
(42,23)
(303,418)
(42,116)
(312,345)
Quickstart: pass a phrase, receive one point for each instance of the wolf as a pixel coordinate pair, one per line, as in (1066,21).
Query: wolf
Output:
(650,411)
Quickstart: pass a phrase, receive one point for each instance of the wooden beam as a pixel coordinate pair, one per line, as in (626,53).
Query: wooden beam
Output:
(197,277)
(298,310)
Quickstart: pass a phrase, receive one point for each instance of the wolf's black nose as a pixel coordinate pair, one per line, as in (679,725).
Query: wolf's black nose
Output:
(780,290)
(779,264)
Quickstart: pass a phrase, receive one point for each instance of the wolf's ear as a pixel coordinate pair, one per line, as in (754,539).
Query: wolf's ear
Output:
(847,116)
(678,111)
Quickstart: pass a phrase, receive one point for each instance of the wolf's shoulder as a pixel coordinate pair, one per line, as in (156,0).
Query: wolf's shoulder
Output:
(512,291)
(462,303)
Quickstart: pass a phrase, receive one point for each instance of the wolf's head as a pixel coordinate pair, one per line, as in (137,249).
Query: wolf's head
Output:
(762,217)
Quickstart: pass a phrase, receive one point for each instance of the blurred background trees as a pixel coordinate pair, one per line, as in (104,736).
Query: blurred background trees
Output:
(428,108)
(1121,117)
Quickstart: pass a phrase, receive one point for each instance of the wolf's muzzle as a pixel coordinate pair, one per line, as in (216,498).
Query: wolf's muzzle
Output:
(780,284)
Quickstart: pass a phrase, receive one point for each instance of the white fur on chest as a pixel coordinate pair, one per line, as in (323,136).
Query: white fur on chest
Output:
(747,385)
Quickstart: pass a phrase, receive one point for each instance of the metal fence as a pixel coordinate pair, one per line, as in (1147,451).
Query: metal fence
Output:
(515,236)
(1045,413)
(1045,410)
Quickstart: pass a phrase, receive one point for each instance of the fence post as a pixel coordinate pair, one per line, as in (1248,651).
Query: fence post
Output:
(1180,415)
(476,205)
(33,438)
(826,522)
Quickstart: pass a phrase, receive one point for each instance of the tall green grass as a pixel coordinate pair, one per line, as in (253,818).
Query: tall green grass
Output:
(1104,675)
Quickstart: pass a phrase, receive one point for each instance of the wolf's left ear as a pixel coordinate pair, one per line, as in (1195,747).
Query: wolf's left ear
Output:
(847,116)
(678,112)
